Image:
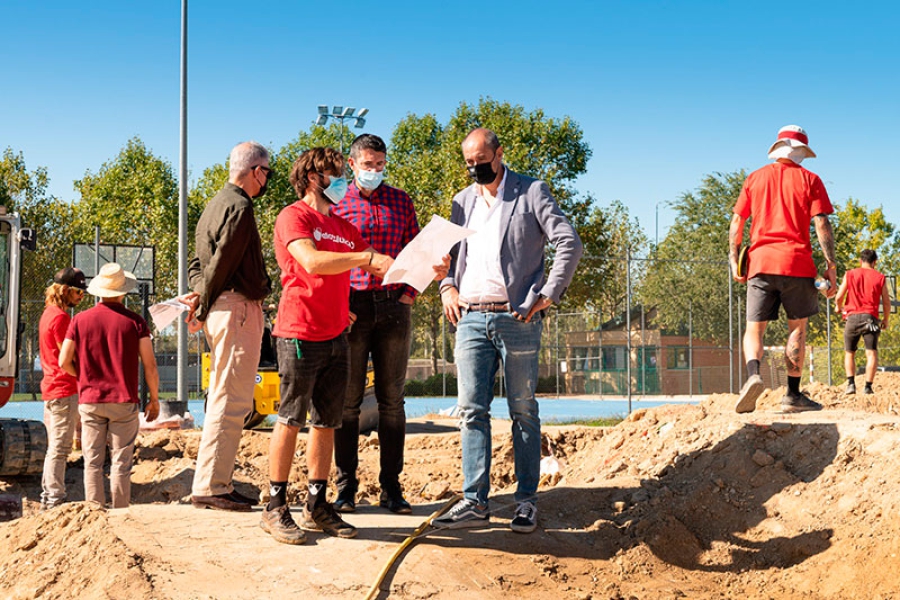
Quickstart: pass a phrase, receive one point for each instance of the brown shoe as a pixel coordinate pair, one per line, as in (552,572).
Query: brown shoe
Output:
(220,502)
(325,518)
(281,526)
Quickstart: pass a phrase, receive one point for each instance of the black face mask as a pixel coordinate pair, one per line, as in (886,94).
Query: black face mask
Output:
(262,190)
(482,173)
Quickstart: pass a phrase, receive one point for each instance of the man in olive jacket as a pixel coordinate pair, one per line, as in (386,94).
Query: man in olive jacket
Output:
(229,279)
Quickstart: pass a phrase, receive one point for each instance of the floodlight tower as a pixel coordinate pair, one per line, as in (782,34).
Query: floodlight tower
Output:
(342,114)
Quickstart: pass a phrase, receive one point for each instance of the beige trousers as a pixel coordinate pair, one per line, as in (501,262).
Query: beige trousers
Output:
(233,331)
(60,417)
(119,422)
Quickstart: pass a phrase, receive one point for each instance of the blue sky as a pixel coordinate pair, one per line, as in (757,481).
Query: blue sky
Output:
(666,92)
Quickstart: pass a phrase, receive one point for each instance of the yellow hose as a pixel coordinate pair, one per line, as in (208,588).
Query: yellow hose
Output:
(376,587)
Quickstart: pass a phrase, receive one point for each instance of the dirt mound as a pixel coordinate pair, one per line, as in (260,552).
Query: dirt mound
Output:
(69,552)
(678,501)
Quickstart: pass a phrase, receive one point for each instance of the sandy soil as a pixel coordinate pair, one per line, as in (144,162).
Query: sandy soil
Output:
(675,502)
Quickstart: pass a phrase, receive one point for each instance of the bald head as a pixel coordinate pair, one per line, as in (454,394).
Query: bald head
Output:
(482,137)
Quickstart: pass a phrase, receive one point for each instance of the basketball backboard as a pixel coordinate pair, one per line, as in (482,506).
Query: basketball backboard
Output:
(140,260)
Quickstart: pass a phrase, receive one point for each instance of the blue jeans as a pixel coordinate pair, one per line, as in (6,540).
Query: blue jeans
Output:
(382,330)
(483,342)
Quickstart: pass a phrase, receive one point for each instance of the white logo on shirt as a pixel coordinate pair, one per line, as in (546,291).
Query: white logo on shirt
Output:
(319,235)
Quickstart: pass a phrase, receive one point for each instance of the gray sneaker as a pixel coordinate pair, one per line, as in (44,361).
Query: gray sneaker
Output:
(525,519)
(281,526)
(325,518)
(752,389)
(464,515)
(792,403)
(851,388)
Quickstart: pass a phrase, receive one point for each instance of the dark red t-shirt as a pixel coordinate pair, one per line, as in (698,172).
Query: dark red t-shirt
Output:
(107,339)
(782,198)
(56,383)
(864,291)
(313,308)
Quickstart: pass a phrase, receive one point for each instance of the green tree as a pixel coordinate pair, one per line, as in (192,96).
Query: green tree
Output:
(134,200)
(689,271)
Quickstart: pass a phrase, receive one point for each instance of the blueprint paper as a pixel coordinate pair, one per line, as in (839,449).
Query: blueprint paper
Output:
(414,264)
(165,312)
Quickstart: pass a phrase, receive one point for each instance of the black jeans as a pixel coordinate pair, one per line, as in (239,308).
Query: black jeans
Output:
(382,329)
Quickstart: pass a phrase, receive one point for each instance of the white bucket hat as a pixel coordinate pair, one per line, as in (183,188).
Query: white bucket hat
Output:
(112,281)
(794,137)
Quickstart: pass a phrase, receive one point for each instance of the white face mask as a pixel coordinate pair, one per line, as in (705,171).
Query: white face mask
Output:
(369,180)
(784,151)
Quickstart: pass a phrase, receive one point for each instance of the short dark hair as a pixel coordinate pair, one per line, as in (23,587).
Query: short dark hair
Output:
(314,160)
(367,141)
(868,256)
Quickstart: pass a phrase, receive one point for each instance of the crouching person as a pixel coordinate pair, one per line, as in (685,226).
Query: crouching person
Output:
(101,350)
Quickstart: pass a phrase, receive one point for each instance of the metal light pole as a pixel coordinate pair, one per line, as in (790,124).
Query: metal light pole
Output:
(182,372)
(341,114)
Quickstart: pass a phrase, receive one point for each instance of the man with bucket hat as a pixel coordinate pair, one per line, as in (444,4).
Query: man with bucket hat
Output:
(101,350)
(781,199)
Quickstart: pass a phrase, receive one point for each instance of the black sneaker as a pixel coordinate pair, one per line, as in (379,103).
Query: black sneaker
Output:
(463,515)
(798,402)
(752,389)
(525,519)
(394,502)
(851,388)
(325,518)
(346,501)
(281,526)
(867,390)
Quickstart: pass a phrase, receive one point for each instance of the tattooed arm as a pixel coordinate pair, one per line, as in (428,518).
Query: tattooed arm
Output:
(735,237)
(826,241)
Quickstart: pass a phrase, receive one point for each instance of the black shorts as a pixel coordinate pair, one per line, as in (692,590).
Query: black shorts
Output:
(860,325)
(314,378)
(766,293)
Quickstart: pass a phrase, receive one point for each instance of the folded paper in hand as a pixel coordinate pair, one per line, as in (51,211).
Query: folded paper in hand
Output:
(414,263)
(165,312)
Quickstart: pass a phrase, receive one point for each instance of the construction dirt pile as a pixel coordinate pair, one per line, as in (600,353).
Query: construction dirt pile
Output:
(681,501)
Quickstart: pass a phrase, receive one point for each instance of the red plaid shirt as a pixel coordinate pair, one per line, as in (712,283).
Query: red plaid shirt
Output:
(387,221)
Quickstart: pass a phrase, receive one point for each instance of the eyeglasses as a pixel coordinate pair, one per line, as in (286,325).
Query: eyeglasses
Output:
(265,170)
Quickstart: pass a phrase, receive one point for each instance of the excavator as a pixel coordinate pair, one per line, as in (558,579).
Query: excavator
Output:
(23,443)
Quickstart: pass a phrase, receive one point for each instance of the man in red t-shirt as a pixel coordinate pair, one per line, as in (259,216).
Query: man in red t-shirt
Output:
(315,249)
(101,350)
(861,291)
(782,199)
(59,390)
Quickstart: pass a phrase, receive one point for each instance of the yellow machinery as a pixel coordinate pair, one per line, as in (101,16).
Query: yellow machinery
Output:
(267,396)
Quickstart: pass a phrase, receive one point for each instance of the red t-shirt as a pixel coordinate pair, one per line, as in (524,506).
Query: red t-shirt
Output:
(313,308)
(782,198)
(56,383)
(107,339)
(864,290)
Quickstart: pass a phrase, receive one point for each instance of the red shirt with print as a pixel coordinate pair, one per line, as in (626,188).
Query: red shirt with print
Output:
(864,290)
(56,383)
(782,198)
(313,308)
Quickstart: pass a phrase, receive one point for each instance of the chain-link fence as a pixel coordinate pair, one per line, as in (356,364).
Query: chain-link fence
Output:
(682,340)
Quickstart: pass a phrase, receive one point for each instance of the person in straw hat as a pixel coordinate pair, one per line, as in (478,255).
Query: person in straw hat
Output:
(781,199)
(101,349)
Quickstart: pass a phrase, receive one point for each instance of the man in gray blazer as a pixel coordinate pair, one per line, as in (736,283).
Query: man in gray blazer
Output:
(496,295)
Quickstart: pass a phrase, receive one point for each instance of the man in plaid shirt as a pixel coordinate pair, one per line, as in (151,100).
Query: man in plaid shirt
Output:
(386,218)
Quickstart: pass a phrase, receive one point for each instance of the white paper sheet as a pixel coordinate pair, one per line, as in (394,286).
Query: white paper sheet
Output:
(165,312)
(414,264)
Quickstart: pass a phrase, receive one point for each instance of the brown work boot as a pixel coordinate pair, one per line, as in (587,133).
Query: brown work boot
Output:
(325,518)
(279,523)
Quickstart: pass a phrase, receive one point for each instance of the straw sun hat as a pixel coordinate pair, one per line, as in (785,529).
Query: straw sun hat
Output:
(112,281)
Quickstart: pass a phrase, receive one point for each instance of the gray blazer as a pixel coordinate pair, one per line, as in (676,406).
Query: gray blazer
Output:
(530,218)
